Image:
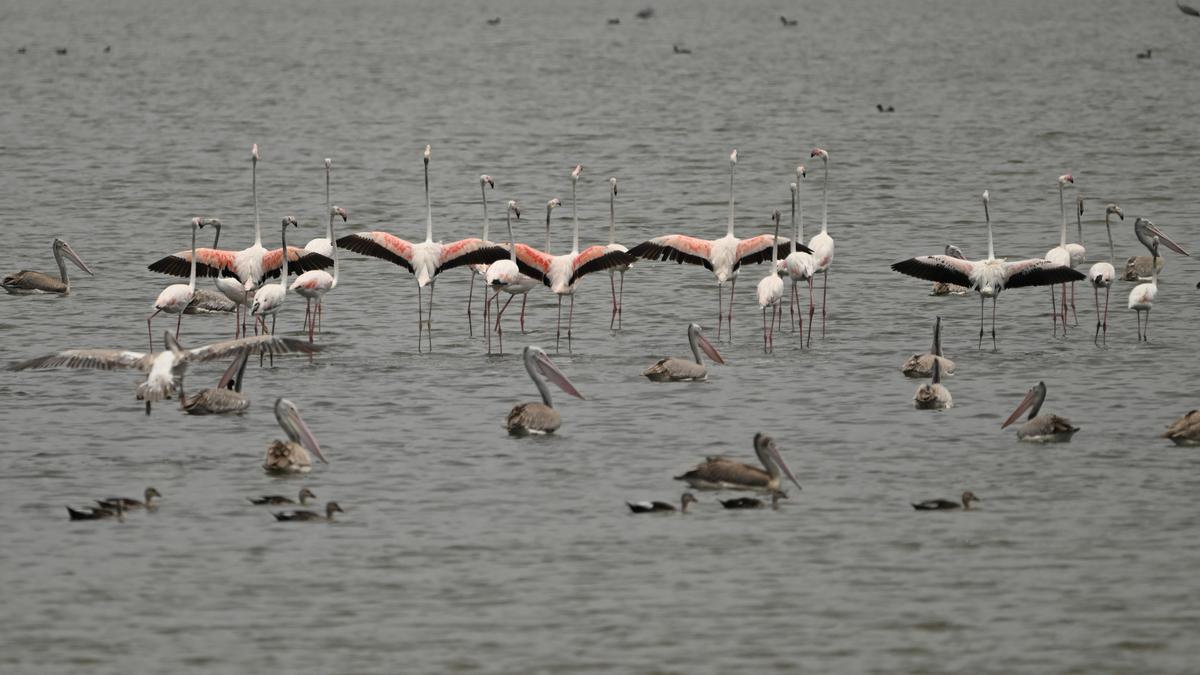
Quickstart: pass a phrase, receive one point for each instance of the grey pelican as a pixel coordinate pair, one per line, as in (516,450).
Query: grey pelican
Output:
(1138,267)
(1040,428)
(291,456)
(305,495)
(947,504)
(662,507)
(753,503)
(921,365)
(1141,298)
(27,282)
(675,369)
(164,370)
(1186,429)
(226,397)
(205,301)
(1101,274)
(933,395)
(330,509)
(128,503)
(989,276)
(539,418)
(720,473)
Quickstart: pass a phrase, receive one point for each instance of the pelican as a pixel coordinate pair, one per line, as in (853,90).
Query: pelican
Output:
(276,500)
(174,299)
(291,456)
(674,369)
(505,275)
(323,245)
(1040,428)
(1102,273)
(128,503)
(1141,298)
(164,370)
(426,259)
(799,265)
(821,245)
(539,418)
(662,507)
(989,276)
(480,269)
(940,288)
(719,473)
(1186,429)
(770,291)
(933,395)
(948,504)
(27,282)
(226,397)
(618,297)
(330,509)
(314,284)
(205,301)
(921,365)
(1061,255)
(723,257)
(268,299)
(753,503)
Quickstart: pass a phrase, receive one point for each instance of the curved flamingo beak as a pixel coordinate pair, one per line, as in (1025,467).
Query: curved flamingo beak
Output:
(708,348)
(551,372)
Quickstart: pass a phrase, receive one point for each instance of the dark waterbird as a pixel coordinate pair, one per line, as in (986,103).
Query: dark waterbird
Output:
(662,507)
(947,504)
(752,502)
(305,495)
(128,503)
(330,509)
(1187,9)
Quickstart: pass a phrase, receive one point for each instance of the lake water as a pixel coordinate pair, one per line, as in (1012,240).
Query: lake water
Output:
(464,550)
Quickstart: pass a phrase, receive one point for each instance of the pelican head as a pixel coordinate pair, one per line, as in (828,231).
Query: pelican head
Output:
(328,163)
(1064,179)
(769,455)
(514,208)
(1148,232)
(297,431)
(612,183)
(427,152)
(538,362)
(696,339)
(1114,210)
(818,152)
(290,220)
(60,247)
(576,172)
(1032,402)
(485,179)
(254,153)
(339,211)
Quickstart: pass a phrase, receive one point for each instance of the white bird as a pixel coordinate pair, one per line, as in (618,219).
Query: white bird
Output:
(821,245)
(933,395)
(314,284)
(480,269)
(770,292)
(505,275)
(164,370)
(426,259)
(618,296)
(539,418)
(268,299)
(323,245)
(174,299)
(291,456)
(989,276)
(1141,298)
(1060,255)
(723,257)
(28,282)
(800,265)
(1101,274)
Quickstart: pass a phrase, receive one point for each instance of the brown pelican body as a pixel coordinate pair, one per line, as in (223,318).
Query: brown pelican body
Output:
(291,456)
(330,509)
(539,418)
(226,397)
(1040,428)
(674,369)
(28,282)
(662,507)
(752,502)
(933,395)
(127,503)
(205,301)
(276,500)
(921,365)
(947,504)
(97,513)
(720,473)
(1186,429)
(943,288)
(1141,267)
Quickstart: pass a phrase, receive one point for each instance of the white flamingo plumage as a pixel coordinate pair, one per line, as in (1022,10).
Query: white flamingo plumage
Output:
(1101,274)
(314,284)
(799,265)
(1060,255)
(324,245)
(618,296)
(1141,298)
(505,275)
(268,299)
(480,269)
(770,293)
(821,245)
(175,298)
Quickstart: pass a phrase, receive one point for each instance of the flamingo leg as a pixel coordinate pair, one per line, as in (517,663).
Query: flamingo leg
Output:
(812,309)
(982,300)
(570,321)
(1073,314)
(471,296)
(312,325)
(994,324)
(720,309)
(558,326)
(420,315)
(612,282)
(320,313)
(1106,291)
(178,323)
(729,319)
(307,312)
(793,299)
(824,297)
(1096,338)
(524,299)
(621,300)
(1053,311)
(274,317)
(1064,308)
(148,331)
(429,319)
(1147,329)
(764,310)
(487,304)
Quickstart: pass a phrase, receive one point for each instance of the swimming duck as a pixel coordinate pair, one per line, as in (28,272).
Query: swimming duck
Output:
(720,473)
(330,508)
(753,503)
(291,455)
(662,507)
(97,513)
(1186,429)
(305,495)
(947,504)
(128,503)
(1040,428)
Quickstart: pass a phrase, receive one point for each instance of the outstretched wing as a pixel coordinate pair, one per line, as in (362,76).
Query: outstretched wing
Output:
(755,250)
(210,262)
(266,344)
(381,245)
(943,268)
(299,262)
(597,258)
(470,251)
(1038,272)
(534,263)
(100,359)
(676,247)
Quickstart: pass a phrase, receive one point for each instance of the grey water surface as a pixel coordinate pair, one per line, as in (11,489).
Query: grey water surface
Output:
(464,550)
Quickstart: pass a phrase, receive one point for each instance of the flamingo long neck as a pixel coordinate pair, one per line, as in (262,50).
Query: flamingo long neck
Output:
(283,277)
(512,241)
(192,278)
(548,209)
(428,208)
(775,244)
(612,217)
(988,218)
(328,208)
(1112,254)
(575,218)
(694,346)
(333,243)
(543,389)
(825,198)
(729,232)
(1154,267)
(1079,221)
(1062,241)
(254,193)
(483,187)
(795,226)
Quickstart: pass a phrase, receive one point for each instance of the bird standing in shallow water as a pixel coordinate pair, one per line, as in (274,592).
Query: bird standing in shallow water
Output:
(1141,298)
(1102,273)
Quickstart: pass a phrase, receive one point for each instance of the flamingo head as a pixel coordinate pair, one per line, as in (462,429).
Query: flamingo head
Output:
(576,172)
(612,182)
(196,222)
(514,208)
(290,220)
(775,217)
(1064,179)
(485,179)
(328,163)
(986,198)
(801,173)
(794,188)
(1113,209)
(818,152)
(553,204)
(733,156)
(339,211)
(254,153)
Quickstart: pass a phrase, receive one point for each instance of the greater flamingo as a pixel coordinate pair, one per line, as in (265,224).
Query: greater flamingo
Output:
(770,292)
(314,284)
(821,245)
(505,275)
(268,299)
(1060,255)
(323,245)
(480,269)
(1101,274)
(618,298)
(800,265)
(175,298)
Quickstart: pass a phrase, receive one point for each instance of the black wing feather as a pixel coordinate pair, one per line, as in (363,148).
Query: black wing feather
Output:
(369,247)
(930,268)
(606,261)
(482,256)
(649,250)
(1044,276)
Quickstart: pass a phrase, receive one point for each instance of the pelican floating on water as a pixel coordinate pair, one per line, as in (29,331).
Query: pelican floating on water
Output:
(27,282)
(947,504)
(226,397)
(330,509)
(539,418)
(662,507)
(1040,428)
(305,495)
(921,365)
(1186,429)
(291,456)
(675,369)
(127,503)
(720,473)
(933,395)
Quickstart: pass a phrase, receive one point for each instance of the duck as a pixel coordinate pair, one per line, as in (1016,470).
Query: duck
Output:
(1040,428)
(330,509)
(662,507)
(128,503)
(1185,430)
(674,369)
(97,513)
(226,397)
(305,495)
(539,418)
(947,504)
(720,473)
(933,395)
(752,502)
(291,456)
(921,365)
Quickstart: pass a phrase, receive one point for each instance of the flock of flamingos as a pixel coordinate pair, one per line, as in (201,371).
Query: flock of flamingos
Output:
(245,290)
